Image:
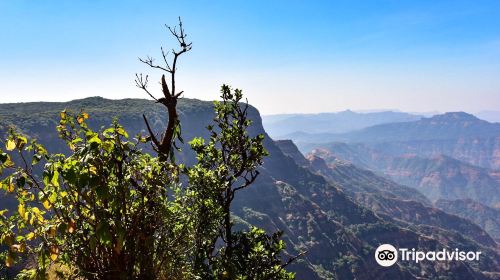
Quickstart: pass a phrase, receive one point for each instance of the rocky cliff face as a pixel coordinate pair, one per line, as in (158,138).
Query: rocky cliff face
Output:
(484,216)
(458,135)
(402,204)
(289,149)
(439,177)
(317,215)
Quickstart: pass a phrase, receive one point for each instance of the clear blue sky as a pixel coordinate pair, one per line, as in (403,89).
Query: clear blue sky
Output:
(287,56)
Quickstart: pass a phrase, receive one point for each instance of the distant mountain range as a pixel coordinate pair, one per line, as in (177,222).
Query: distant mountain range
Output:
(448,126)
(449,157)
(458,135)
(403,204)
(338,213)
(320,127)
(440,177)
(455,125)
(280,126)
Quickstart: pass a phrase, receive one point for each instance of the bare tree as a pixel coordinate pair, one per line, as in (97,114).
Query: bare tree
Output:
(163,145)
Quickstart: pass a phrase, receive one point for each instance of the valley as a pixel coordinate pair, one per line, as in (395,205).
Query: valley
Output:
(334,210)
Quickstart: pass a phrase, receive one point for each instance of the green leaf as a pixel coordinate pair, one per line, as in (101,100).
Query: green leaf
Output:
(36,159)
(95,139)
(22,211)
(122,131)
(21,141)
(55,179)
(10,145)
(63,115)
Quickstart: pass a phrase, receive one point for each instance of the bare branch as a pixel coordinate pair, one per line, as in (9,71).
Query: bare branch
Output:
(153,137)
(150,62)
(165,59)
(142,83)
(292,259)
(181,37)
(179,94)
(248,182)
(170,94)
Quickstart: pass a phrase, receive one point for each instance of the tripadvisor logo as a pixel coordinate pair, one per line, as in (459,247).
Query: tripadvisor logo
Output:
(387,255)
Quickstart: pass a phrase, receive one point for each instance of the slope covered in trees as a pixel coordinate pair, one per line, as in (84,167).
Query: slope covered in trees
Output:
(338,234)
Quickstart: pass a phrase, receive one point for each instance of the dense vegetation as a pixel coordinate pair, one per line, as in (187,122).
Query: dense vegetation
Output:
(108,209)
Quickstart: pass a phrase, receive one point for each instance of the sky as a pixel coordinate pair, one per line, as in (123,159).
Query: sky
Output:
(286,56)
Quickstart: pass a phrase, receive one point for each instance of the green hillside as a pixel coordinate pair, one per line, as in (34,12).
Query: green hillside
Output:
(338,233)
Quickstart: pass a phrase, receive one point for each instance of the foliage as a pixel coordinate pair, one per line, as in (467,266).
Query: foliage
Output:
(108,210)
(95,208)
(227,164)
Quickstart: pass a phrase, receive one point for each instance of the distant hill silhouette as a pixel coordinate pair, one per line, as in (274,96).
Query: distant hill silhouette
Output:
(281,126)
(458,135)
(439,127)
